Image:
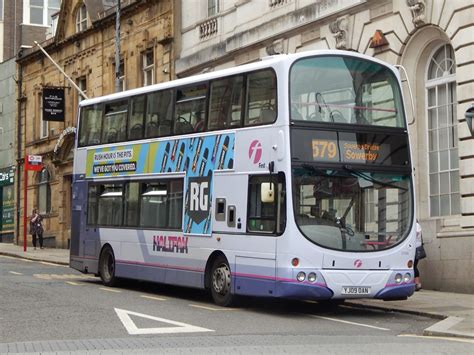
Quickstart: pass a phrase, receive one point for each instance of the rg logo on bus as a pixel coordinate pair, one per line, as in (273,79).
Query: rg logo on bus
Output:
(255,151)
(198,198)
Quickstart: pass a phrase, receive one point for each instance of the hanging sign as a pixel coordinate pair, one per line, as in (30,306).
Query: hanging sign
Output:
(34,162)
(53,104)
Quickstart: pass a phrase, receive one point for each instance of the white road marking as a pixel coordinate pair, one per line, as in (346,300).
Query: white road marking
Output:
(212,308)
(15,273)
(109,289)
(73,283)
(462,340)
(51,264)
(154,298)
(132,329)
(353,323)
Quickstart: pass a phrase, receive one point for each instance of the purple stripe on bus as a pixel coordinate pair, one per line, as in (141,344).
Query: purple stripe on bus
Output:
(166,266)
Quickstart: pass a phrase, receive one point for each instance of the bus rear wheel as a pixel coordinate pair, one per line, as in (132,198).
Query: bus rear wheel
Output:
(107,267)
(221,283)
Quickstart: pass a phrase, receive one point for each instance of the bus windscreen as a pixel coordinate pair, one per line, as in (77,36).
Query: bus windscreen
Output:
(347,90)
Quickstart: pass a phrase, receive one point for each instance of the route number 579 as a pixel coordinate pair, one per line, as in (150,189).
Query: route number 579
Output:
(323,149)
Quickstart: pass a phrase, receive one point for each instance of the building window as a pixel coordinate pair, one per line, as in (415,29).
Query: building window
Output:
(148,67)
(212,7)
(121,76)
(41,11)
(44,192)
(1,10)
(82,84)
(43,124)
(81,18)
(443,134)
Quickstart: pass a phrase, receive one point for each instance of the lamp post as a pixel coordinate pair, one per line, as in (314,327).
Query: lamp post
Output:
(469,116)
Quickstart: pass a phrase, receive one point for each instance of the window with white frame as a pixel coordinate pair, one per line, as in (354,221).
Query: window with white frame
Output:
(148,67)
(39,12)
(82,84)
(442,134)
(43,124)
(81,18)
(212,7)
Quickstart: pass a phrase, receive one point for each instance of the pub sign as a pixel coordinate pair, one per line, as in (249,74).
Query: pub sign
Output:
(53,104)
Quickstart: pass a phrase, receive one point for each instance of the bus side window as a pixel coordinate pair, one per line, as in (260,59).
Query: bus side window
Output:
(115,122)
(266,204)
(92,204)
(135,120)
(190,109)
(261,98)
(158,117)
(225,103)
(90,125)
(132,196)
(161,204)
(110,205)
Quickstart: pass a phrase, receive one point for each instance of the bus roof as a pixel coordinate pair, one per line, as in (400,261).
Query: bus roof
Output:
(265,62)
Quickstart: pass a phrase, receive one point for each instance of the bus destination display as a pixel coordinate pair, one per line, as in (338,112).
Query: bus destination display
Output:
(350,147)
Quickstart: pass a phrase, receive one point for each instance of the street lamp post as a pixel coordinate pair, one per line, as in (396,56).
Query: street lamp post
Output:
(469,116)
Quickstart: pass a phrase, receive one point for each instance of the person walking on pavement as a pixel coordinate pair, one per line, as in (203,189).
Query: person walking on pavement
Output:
(36,228)
(418,255)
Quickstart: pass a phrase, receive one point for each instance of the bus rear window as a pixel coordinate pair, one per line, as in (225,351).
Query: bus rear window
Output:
(338,89)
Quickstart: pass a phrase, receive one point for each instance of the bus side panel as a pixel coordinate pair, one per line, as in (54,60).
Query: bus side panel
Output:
(158,256)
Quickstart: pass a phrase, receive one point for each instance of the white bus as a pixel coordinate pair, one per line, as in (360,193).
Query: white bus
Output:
(289,177)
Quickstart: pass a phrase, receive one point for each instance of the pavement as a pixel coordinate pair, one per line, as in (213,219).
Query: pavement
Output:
(455,311)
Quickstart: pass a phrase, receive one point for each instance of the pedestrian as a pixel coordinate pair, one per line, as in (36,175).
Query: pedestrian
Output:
(419,254)
(36,228)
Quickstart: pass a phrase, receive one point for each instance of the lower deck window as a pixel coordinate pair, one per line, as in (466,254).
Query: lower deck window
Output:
(143,204)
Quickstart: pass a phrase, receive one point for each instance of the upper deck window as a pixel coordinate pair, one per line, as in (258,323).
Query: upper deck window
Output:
(338,89)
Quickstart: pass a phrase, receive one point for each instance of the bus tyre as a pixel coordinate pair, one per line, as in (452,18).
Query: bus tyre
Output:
(107,267)
(221,282)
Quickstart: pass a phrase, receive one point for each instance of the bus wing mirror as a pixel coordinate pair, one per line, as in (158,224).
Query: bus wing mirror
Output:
(267,192)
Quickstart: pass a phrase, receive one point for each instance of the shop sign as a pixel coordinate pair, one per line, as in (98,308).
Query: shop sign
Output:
(34,162)
(6,176)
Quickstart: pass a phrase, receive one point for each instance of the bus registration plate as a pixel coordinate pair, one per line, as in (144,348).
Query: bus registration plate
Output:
(352,290)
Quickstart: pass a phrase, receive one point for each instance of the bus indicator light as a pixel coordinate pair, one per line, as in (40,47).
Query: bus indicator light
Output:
(295,262)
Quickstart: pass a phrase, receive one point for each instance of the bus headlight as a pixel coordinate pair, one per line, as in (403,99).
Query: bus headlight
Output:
(301,276)
(312,277)
(398,278)
(407,277)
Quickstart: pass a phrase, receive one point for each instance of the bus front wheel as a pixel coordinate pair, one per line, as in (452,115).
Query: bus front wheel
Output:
(221,282)
(107,267)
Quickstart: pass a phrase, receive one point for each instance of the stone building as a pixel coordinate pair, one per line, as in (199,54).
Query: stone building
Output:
(84,46)
(21,22)
(431,39)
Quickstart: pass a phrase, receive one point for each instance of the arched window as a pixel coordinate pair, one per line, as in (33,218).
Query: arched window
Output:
(442,133)
(44,192)
(81,18)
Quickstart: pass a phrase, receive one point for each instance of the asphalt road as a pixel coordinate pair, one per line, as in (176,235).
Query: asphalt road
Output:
(53,309)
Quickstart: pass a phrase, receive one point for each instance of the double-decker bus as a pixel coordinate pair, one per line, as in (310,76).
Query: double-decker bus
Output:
(289,177)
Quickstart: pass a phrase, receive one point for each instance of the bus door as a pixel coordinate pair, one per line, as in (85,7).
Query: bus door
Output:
(245,217)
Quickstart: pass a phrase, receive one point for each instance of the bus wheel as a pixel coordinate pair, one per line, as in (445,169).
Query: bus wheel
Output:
(107,267)
(221,282)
